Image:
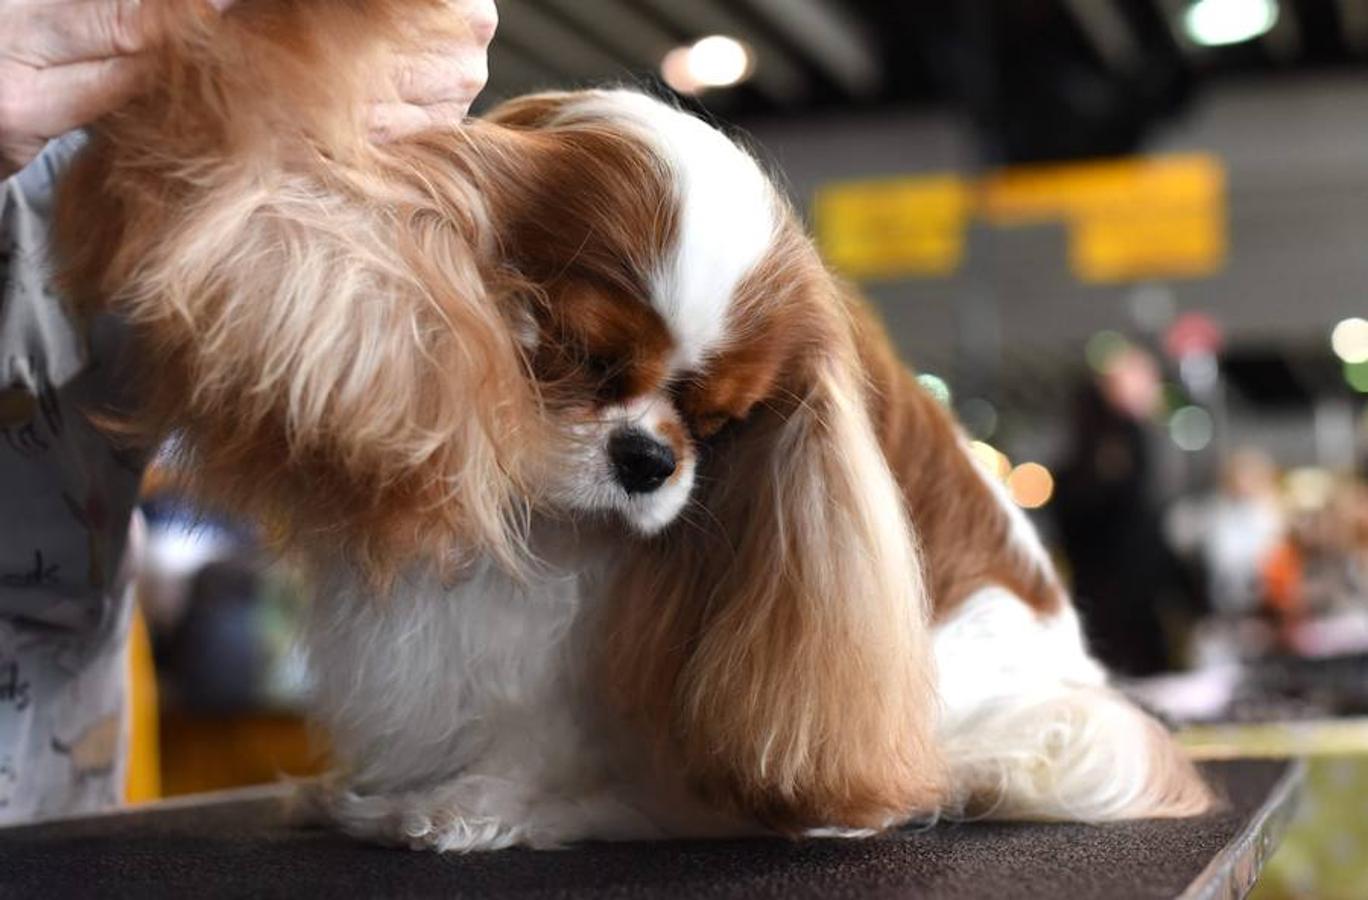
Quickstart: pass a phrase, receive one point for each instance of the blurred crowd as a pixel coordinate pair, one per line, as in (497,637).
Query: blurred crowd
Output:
(1263,563)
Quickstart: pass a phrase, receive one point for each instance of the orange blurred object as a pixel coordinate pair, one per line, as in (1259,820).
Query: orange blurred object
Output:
(1283,573)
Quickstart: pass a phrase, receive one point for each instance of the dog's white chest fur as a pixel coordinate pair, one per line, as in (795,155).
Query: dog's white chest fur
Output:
(447,667)
(466,716)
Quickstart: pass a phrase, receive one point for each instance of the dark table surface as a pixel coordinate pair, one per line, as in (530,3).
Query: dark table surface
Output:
(244,848)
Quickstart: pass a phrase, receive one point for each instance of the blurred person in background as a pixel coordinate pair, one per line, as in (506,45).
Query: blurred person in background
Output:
(1316,578)
(1243,525)
(1236,534)
(66,493)
(1109,517)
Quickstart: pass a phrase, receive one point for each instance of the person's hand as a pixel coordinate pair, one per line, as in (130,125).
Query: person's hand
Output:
(63,64)
(437,86)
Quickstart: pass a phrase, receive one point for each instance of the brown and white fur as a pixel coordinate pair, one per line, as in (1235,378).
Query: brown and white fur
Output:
(417,362)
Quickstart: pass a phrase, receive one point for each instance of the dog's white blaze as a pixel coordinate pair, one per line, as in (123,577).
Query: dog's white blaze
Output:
(727,220)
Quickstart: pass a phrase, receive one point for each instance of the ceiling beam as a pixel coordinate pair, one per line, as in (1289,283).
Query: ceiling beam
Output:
(637,38)
(1284,40)
(830,37)
(512,73)
(1108,31)
(1172,13)
(552,44)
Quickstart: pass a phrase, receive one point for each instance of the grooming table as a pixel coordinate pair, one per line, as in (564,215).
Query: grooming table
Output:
(239,846)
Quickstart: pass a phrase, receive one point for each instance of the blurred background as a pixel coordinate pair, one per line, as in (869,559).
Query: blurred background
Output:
(1126,240)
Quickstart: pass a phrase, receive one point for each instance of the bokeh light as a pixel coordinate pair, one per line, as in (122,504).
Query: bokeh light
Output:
(993,460)
(1103,347)
(1031,485)
(1349,340)
(1218,23)
(1191,428)
(716,61)
(980,417)
(1357,376)
(936,387)
(1309,488)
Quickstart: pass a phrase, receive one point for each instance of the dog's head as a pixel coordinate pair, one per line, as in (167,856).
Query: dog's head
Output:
(659,261)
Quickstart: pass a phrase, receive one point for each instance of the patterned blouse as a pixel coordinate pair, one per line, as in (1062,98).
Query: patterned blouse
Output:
(66,500)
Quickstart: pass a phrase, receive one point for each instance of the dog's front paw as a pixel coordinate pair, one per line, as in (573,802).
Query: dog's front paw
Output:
(420,820)
(446,830)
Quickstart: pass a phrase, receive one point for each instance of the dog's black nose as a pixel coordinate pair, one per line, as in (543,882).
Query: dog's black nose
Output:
(640,462)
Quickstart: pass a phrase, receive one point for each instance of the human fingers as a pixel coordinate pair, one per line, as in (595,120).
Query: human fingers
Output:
(42,35)
(61,98)
(393,121)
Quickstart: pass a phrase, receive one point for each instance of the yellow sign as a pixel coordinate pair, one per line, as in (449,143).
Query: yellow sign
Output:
(1166,243)
(1127,220)
(1163,217)
(895,227)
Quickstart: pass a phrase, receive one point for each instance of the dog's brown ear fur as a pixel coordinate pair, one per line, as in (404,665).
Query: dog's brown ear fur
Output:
(317,314)
(780,652)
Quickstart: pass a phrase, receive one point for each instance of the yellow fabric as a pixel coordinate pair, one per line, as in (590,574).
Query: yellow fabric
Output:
(142,782)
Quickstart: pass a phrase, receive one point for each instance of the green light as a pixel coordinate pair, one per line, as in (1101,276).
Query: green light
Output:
(1103,347)
(936,387)
(1357,376)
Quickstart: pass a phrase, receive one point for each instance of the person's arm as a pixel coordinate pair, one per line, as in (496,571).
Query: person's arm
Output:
(67,493)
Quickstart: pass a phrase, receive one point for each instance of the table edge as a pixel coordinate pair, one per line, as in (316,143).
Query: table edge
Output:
(1226,876)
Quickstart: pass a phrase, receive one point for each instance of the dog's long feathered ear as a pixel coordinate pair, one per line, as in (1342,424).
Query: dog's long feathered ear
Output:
(314,311)
(780,650)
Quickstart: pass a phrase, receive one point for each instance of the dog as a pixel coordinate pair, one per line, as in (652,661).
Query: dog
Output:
(626,520)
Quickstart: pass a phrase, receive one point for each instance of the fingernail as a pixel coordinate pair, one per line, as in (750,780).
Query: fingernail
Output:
(221,5)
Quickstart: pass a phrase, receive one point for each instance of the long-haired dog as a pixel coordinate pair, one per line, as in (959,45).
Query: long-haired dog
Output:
(625,518)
